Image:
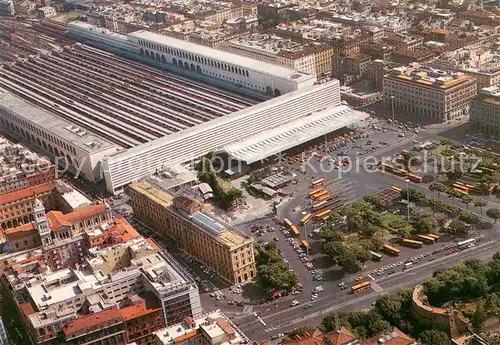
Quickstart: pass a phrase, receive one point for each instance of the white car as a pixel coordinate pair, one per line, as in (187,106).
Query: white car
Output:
(318,288)
(314,297)
(294,303)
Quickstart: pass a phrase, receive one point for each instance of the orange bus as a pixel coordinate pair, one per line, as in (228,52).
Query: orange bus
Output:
(318,183)
(426,239)
(464,192)
(395,188)
(320,194)
(415,178)
(306,219)
(319,205)
(391,250)
(412,243)
(315,191)
(295,232)
(323,214)
(324,197)
(360,287)
(434,236)
(287,222)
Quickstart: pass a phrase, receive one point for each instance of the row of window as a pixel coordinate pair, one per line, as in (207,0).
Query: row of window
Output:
(194,58)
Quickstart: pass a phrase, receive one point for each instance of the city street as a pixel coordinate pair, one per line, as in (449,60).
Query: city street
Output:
(280,320)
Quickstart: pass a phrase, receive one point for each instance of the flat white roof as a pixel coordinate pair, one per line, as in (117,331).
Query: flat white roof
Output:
(76,199)
(294,133)
(222,56)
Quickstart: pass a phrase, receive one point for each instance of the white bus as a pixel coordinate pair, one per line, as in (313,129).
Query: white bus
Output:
(466,243)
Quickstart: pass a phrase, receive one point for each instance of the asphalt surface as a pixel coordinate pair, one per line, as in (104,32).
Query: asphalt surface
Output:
(271,320)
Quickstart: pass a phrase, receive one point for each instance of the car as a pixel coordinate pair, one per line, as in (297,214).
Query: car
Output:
(294,303)
(318,288)
(432,259)
(314,297)
(308,305)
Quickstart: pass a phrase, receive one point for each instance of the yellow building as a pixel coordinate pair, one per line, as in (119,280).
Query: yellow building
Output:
(436,94)
(228,253)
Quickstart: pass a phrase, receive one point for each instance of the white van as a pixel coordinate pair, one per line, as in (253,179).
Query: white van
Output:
(408,265)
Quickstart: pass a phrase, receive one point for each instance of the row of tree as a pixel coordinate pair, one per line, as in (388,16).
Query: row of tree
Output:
(273,273)
(474,281)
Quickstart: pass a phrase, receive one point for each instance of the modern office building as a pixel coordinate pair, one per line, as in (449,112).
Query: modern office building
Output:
(229,253)
(485,110)
(435,94)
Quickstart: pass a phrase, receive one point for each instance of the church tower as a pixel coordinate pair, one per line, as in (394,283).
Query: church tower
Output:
(41,224)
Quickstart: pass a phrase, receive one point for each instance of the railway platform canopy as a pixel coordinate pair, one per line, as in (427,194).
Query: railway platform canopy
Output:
(282,138)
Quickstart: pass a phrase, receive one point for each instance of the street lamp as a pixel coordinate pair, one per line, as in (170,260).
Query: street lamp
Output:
(408,198)
(392,106)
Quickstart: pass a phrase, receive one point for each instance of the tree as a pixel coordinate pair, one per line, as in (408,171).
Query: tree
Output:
(389,306)
(438,187)
(479,316)
(414,195)
(469,218)
(426,224)
(453,194)
(434,337)
(481,204)
(435,204)
(493,213)
(466,199)
(300,331)
(374,200)
(453,175)
(329,235)
(458,227)
(446,142)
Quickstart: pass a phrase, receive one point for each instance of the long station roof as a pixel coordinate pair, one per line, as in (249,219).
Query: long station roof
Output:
(294,133)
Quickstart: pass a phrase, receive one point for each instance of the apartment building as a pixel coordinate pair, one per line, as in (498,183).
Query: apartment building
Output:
(436,94)
(214,328)
(229,253)
(22,168)
(73,303)
(485,110)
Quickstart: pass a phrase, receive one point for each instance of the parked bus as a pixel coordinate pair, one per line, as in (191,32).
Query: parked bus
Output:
(415,178)
(325,197)
(305,244)
(306,219)
(320,194)
(466,243)
(295,232)
(412,243)
(318,183)
(387,167)
(391,250)
(434,236)
(461,186)
(400,172)
(323,215)
(287,222)
(426,239)
(360,287)
(464,192)
(319,205)
(376,256)
(395,188)
(314,192)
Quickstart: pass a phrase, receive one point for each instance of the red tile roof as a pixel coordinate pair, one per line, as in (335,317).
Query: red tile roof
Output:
(394,337)
(19,231)
(123,231)
(185,336)
(314,339)
(225,326)
(27,309)
(138,310)
(86,212)
(26,193)
(57,219)
(340,337)
(96,320)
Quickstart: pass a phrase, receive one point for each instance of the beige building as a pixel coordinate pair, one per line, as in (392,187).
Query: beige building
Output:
(435,94)
(485,110)
(228,253)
